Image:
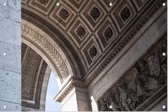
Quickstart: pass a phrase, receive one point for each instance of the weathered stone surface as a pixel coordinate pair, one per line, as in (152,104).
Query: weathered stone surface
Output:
(10,86)
(10,58)
(10,17)
(10,55)
(9,106)
(10,31)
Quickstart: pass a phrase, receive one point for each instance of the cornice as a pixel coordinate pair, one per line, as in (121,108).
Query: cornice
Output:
(71,83)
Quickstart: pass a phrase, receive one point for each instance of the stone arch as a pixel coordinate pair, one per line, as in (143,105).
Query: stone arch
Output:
(47,48)
(36,31)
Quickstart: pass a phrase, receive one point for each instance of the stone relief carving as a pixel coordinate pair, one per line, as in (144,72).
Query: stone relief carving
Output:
(143,80)
(60,65)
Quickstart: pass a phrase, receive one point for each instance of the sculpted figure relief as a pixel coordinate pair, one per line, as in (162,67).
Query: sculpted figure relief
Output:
(163,63)
(115,101)
(124,99)
(146,76)
(103,105)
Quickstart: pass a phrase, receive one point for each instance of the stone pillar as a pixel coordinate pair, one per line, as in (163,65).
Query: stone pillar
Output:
(74,97)
(83,100)
(10,54)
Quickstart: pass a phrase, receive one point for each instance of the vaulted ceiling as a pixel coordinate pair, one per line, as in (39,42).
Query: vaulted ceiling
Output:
(92,32)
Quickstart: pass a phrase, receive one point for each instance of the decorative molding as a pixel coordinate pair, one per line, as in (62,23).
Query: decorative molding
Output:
(48,48)
(72,83)
(89,18)
(126,38)
(33,71)
(30,71)
(147,10)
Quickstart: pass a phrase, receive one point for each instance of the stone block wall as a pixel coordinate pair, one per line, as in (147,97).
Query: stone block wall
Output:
(10,52)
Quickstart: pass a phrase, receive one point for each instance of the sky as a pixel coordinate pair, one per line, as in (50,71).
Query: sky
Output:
(52,91)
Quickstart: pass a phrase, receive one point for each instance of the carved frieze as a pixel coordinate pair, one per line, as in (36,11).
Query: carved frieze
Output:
(49,49)
(137,85)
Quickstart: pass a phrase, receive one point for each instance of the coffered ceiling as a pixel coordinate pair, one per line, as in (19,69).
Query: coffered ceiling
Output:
(90,33)
(94,31)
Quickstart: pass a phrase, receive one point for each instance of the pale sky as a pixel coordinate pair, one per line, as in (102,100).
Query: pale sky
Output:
(52,90)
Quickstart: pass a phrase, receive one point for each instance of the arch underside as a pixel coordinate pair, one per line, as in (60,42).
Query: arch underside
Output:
(34,71)
(80,38)
(90,32)
(42,45)
(39,52)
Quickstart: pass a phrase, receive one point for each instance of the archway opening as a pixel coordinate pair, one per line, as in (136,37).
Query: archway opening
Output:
(52,90)
(51,58)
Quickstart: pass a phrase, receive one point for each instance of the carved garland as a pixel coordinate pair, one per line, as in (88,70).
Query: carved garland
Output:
(33,36)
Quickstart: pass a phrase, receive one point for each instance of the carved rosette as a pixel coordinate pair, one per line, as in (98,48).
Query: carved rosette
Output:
(47,48)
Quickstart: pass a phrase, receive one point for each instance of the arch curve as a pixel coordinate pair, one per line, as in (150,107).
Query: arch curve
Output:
(59,36)
(56,50)
(43,44)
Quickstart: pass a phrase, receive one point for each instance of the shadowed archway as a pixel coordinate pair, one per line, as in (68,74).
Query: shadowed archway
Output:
(47,56)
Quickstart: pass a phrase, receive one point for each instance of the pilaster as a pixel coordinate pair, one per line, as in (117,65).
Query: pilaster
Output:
(74,96)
